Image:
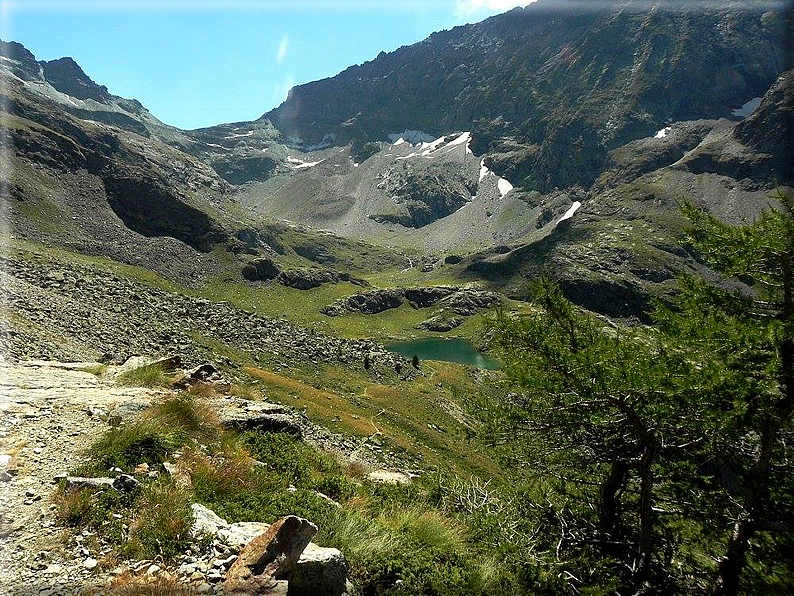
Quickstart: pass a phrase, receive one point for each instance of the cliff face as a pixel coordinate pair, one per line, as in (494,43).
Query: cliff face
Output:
(554,86)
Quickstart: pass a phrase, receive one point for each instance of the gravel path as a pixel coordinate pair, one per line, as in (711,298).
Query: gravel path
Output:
(48,415)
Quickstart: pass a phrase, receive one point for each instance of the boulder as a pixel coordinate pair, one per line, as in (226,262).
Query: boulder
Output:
(320,572)
(269,557)
(206,521)
(261,270)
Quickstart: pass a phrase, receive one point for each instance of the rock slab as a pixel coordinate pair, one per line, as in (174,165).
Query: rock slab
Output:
(269,557)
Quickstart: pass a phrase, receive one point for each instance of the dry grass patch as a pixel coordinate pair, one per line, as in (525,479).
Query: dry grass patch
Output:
(152,376)
(129,584)
(228,470)
(248,392)
(162,523)
(320,404)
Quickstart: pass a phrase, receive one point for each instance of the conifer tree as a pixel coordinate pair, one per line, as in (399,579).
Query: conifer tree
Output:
(687,423)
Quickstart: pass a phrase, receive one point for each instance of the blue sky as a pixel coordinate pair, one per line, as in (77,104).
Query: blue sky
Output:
(195,63)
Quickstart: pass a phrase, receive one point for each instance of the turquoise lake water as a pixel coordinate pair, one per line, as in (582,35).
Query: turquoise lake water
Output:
(448,350)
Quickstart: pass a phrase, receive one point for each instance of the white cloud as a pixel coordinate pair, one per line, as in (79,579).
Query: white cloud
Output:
(283,46)
(469,7)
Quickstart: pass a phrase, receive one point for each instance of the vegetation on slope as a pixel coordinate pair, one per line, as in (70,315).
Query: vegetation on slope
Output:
(672,444)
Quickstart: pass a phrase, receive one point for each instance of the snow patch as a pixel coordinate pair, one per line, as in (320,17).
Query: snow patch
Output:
(428,148)
(239,136)
(218,146)
(411,136)
(747,108)
(662,133)
(483,170)
(409,156)
(464,138)
(570,212)
(504,186)
(399,141)
(299,164)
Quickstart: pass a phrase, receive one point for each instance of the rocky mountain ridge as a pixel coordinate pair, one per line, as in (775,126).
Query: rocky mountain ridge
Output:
(548,89)
(97,173)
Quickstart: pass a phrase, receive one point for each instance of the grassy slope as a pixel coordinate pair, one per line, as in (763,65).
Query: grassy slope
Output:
(422,417)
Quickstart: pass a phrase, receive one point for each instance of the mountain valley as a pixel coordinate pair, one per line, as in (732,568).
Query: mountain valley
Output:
(418,195)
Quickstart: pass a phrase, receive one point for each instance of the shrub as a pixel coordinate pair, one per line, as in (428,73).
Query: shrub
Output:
(144,440)
(163,428)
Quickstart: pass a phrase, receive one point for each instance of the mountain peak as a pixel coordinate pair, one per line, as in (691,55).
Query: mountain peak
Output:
(67,77)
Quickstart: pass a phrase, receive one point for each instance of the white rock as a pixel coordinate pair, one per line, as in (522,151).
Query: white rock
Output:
(241,533)
(90,563)
(389,477)
(206,521)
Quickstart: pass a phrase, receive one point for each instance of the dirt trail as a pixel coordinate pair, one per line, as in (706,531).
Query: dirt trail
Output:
(49,412)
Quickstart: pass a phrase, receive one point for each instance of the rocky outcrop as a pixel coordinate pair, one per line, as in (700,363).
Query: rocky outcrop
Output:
(462,301)
(421,197)
(441,323)
(67,77)
(467,302)
(770,129)
(367,303)
(265,269)
(428,296)
(242,415)
(241,169)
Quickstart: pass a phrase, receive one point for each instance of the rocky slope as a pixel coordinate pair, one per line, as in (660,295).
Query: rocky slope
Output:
(620,248)
(98,174)
(519,143)
(69,311)
(549,89)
